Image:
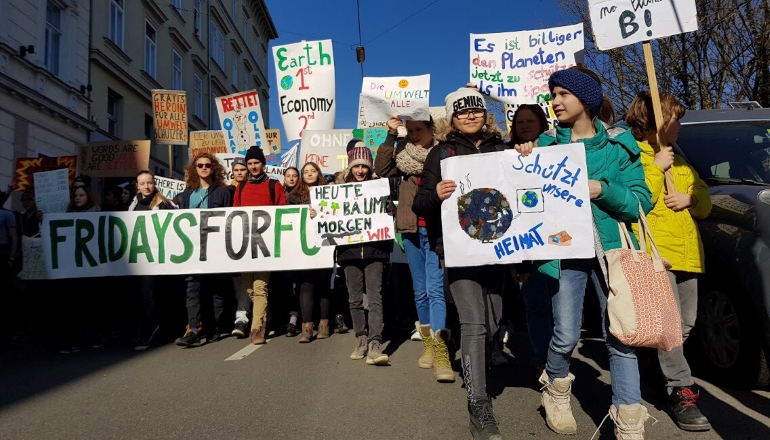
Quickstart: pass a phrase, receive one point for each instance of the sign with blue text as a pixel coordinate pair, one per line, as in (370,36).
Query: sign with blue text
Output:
(188,241)
(240,115)
(508,208)
(514,67)
(621,23)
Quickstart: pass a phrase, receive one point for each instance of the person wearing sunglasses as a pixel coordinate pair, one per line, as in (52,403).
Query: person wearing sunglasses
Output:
(206,189)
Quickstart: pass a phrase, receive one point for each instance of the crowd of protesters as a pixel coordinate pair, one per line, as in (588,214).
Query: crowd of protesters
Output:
(626,169)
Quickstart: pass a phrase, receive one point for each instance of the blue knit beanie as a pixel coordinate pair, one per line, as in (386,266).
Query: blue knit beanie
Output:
(579,84)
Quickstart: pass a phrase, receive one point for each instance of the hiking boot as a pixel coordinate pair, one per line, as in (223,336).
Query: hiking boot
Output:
(258,335)
(629,421)
(426,359)
(361,349)
(483,423)
(292,330)
(307,333)
(239,331)
(442,366)
(191,338)
(339,324)
(323,329)
(376,355)
(556,403)
(686,414)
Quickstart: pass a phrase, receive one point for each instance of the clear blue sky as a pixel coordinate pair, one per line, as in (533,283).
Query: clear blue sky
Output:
(435,41)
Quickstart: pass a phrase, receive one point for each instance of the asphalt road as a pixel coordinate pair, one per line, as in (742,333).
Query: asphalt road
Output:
(310,391)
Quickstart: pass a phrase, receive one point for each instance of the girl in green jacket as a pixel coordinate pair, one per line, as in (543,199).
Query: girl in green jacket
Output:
(617,189)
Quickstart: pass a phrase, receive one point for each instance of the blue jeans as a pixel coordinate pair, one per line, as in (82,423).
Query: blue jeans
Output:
(568,315)
(427,279)
(536,293)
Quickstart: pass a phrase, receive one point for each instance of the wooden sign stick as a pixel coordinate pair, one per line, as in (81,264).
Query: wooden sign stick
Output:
(655,94)
(171,160)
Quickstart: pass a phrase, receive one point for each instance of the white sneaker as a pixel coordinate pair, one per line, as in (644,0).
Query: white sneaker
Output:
(416,332)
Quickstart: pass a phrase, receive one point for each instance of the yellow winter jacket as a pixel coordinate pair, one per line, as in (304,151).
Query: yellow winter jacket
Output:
(676,233)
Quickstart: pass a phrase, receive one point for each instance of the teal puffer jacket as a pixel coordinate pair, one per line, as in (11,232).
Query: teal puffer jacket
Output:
(612,156)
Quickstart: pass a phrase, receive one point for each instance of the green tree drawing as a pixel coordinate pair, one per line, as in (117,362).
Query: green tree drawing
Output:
(335,207)
(323,205)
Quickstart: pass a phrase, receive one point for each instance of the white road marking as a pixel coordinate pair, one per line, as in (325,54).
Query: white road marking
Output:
(242,353)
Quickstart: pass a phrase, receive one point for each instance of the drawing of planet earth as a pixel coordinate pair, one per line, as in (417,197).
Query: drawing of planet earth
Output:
(484,214)
(286,82)
(530,199)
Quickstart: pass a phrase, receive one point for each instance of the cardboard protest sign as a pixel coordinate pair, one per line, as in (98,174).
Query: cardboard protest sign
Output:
(170,109)
(617,23)
(514,67)
(52,191)
(374,137)
(508,208)
(27,166)
(274,171)
(115,158)
(352,213)
(207,141)
(241,118)
(33,265)
(327,148)
(169,187)
(545,106)
(405,97)
(273,141)
(362,122)
(190,241)
(304,73)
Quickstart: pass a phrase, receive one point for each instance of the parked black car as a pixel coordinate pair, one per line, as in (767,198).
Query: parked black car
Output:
(730,149)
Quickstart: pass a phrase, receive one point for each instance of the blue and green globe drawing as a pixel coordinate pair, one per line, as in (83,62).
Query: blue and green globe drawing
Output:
(530,199)
(286,82)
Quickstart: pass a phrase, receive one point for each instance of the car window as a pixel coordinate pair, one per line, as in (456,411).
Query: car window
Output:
(738,150)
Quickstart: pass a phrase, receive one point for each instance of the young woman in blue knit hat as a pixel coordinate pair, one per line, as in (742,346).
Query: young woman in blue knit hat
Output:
(617,188)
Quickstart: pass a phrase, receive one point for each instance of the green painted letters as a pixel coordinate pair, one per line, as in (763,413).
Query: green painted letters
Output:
(280,227)
(160,232)
(81,242)
(53,228)
(188,244)
(140,233)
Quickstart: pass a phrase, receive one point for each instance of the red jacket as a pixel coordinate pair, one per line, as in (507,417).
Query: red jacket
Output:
(258,194)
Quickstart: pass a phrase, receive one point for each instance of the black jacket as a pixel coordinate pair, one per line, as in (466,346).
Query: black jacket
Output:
(218,197)
(426,203)
(375,250)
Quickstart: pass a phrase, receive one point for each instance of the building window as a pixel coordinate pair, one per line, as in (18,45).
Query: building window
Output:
(198,97)
(233,10)
(255,49)
(235,69)
(177,4)
(245,26)
(217,44)
(52,37)
(150,48)
(148,126)
(197,18)
(176,80)
(116,22)
(215,125)
(113,112)
(245,80)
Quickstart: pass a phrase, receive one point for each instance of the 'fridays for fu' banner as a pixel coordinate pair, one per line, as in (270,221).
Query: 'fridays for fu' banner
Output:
(241,119)
(305,75)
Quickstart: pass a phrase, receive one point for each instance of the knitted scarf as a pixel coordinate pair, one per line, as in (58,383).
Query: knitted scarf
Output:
(411,159)
(258,179)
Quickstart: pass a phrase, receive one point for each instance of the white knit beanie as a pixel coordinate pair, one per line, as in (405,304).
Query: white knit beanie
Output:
(461,99)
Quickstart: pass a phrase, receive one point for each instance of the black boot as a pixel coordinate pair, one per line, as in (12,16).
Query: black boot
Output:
(685,411)
(483,424)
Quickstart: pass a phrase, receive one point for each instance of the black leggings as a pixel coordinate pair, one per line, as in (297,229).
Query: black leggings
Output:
(312,282)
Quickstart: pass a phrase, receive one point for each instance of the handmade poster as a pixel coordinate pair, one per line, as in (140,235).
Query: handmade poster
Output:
(352,213)
(620,23)
(273,141)
(33,265)
(514,67)
(52,191)
(375,137)
(241,118)
(305,75)
(508,208)
(189,241)
(327,148)
(402,96)
(115,158)
(362,122)
(169,187)
(207,141)
(545,106)
(274,171)
(170,109)
(27,166)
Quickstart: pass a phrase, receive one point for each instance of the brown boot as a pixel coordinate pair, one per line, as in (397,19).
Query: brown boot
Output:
(323,329)
(307,333)
(426,360)
(442,366)
(258,336)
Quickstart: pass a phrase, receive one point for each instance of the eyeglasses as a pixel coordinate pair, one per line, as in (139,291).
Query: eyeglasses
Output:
(465,114)
(204,165)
